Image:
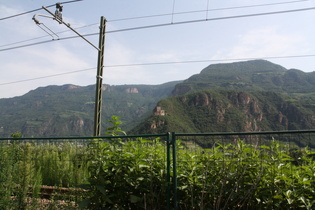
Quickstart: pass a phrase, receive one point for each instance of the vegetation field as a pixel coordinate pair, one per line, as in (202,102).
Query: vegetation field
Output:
(121,174)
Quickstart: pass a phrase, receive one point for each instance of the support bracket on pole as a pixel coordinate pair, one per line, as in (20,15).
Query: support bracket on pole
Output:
(44,27)
(58,17)
(100,63)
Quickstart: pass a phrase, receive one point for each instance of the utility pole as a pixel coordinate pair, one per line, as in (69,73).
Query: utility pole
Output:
(100,61)
(99,79)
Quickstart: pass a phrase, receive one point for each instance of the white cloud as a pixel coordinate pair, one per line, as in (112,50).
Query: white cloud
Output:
(265,42)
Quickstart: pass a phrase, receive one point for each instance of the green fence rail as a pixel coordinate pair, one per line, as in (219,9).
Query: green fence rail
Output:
(242,170)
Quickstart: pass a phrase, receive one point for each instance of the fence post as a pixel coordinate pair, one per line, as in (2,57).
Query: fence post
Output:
(168,170)
(174,153)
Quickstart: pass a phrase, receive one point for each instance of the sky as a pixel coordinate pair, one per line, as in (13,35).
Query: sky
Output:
(148,42)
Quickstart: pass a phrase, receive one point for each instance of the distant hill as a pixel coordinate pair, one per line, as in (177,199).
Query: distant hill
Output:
(236,97)
(257,75)
(242,96)
(228,111)
(68,110)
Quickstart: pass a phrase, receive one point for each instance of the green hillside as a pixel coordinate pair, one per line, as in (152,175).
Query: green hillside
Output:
(244,96)
(68,110)
(218,111)
(257,75)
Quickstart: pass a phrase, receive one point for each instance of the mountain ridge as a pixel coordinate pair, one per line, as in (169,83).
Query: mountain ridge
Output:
(248,76)
(68,110)
(285,99)
(214,100)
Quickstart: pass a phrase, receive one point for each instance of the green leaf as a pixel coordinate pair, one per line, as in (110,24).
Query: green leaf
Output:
(134,199)
(84,204)
(101,189)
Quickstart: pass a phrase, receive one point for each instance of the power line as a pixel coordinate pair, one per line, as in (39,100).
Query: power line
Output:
(27,40)
(161,63)
(208,60)
(35,10)
(23,13)
(207,10)
(48,76)
(151,16)
(213,19)
(168,24)
(159,15)
(32,44)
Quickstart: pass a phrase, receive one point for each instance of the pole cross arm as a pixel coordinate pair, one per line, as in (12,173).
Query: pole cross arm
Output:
(68,25)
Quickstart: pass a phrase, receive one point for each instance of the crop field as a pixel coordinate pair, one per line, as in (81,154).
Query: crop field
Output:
(141,173)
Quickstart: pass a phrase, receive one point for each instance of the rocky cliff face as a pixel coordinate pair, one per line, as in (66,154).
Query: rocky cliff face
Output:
(132,90)
(220,108)
(222,111)
(64,126)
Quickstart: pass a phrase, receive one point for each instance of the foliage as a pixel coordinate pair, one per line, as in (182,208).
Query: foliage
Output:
(16,135)
(115,129)
(226,176)
(26,166)
(126,175)
(243,176)
(230,111)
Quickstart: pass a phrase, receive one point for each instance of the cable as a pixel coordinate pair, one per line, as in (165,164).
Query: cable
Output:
(24,13)
(47,41)
(258,5)
(160,63)
(34,10)
(27,40)
(208,60)
(212,19)
(28,45)
(160,15)
(168,24)
(48,76)
(207,10)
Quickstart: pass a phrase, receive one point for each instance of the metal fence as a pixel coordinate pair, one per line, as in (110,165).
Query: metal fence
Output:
(244,170)
(198,171)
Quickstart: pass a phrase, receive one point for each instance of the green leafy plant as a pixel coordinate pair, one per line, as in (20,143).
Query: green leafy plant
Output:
(16,134)
(126,175)
(124,172)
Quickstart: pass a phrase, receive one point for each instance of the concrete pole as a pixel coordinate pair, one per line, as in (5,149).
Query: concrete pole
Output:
(99,79)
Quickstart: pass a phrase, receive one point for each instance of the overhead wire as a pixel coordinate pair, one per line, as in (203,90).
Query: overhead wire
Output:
(27,40)
(161,25)
(35,10)
(158,15)
(207,10)
(48,76)
(213,19)
(160,63)
(208,60)
(168,24)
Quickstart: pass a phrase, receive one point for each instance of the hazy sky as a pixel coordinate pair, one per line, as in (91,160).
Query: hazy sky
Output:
(207,33)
